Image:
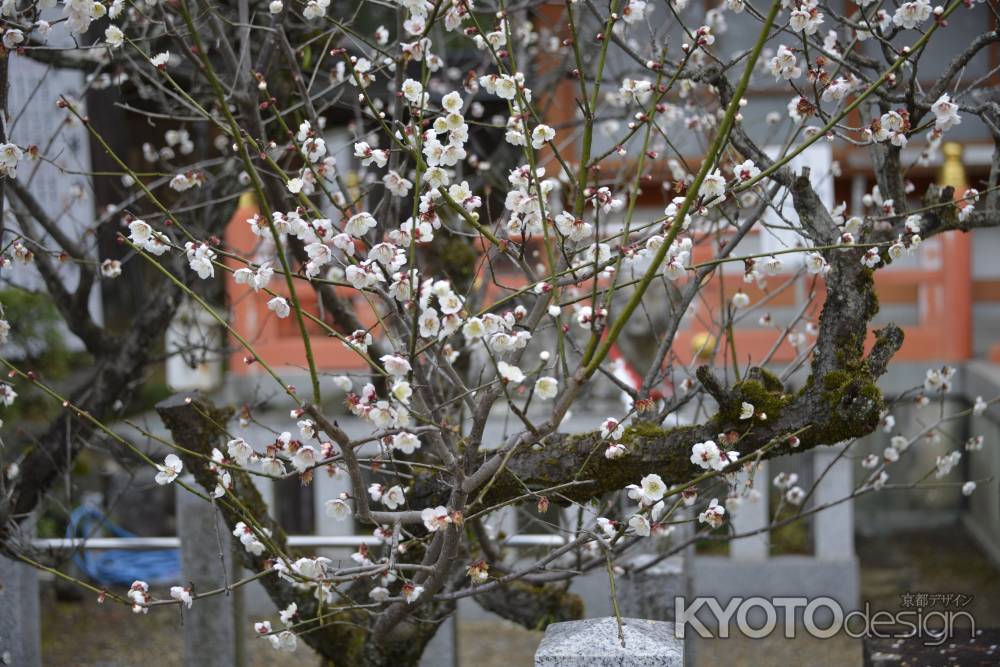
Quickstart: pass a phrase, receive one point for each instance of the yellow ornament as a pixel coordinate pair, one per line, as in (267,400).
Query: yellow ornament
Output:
(703,345)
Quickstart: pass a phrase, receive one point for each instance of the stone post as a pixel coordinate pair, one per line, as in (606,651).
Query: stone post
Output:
(328,488)
(212,637)
(596,643)
(752,515)
(834,526)
(20,623)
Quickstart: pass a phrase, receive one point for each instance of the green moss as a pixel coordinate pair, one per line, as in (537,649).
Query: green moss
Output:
(645,430)
(763,390)
(836,379)
(866,287)
(770,380)
(763,399)
(854,404)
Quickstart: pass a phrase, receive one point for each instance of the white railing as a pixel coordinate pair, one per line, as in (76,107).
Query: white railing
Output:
(104,543)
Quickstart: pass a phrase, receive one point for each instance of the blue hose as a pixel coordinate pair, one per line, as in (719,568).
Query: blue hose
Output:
(119,566)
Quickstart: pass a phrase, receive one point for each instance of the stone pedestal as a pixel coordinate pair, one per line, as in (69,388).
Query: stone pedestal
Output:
(596,643)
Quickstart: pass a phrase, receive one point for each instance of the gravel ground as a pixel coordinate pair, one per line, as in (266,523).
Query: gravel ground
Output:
(83,634)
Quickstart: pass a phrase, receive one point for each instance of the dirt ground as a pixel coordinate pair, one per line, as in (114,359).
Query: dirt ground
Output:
(83,634)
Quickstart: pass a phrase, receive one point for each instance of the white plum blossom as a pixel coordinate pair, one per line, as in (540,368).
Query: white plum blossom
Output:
(573,228)
(871,258)
(200,258)
(785,480)
(615,450)
(706,455)
(258,279)
(612,429)
(369,155)
(653,489)
(338,509)
(169,470)
(393,497)
(396,184)
(412,90)
(111,268)
(635,91)
(406,443)
(541,135)
(639,525)
(784,65)
(806,20)
(796,495)
(979,407)
(396,366)
(636,11)
(285,640)
(412,592)
(945,114)
(279,306)
(401,391)
(945,463)
(359,224)
(113,36)
(138,595)
(304,458)
(10,155)
(909,15)
(435,518)
(183,595)
(144,236)
(607,526)
(239,451)
(185,181)
(746,171)
(509,373)
(546,387)
(713,187)
(714,515)
(939,379)
(7,394)
(288,613)
(816,263)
